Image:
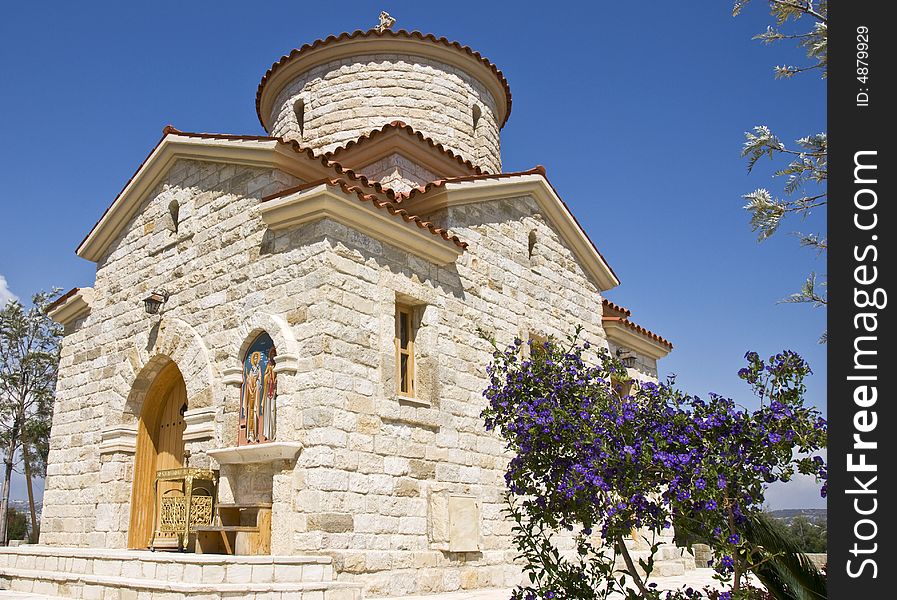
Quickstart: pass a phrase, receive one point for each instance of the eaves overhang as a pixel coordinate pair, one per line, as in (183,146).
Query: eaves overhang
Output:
(487,188)
(623,332)
(246,151)
(73,305)
(329,201)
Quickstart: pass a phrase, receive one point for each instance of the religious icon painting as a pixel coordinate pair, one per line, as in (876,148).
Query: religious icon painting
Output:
(258,396)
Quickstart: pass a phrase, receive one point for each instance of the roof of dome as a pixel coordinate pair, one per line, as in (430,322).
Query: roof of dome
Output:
(402,36)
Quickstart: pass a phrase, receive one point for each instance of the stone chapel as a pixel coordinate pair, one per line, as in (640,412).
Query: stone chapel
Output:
(275,381)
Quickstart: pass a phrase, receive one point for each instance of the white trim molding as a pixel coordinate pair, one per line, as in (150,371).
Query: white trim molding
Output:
(119,438)
(536,186)
(247,152)
(328,202)
(74,307)
(621,334)
(256,453)
(200,423)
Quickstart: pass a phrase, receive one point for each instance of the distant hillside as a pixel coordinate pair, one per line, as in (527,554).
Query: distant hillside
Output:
(814,515)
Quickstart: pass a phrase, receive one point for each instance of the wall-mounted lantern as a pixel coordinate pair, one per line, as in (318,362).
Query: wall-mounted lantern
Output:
(627,357)
(154,301)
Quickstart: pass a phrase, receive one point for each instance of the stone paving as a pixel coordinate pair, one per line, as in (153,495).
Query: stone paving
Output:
(697,579)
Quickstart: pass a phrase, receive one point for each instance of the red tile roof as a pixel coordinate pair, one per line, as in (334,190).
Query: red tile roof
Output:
(639,329)
(374,33)
(298,148)
(331,164)
(537,170)
(401,126)
(376,202)
(616,307)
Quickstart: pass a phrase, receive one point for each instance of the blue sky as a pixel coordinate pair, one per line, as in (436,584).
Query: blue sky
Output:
(637,110)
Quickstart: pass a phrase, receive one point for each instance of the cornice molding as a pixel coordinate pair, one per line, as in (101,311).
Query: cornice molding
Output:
(75,306)
(121,439)
(621,334)
(328,202)
(251,153)
(256,453)
(536,186)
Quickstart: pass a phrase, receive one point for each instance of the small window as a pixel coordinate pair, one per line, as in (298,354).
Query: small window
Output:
(477,113)
(531,245)
(174,210)
(299,110)
(405,351)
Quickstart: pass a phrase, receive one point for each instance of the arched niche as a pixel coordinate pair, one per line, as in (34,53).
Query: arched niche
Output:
(253,326)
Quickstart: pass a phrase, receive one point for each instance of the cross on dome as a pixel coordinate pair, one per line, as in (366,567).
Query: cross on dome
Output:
(386,21)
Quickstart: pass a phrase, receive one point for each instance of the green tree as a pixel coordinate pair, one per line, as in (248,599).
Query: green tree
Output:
(805,167)
(806,535)
(17,525)
(29,357)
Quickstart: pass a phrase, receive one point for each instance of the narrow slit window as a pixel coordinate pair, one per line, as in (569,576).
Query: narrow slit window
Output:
(405,351)
(532,243)
(299,110)
(174,210)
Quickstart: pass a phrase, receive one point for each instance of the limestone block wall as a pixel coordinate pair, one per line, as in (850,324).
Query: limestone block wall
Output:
(212,263)
(334,103)
(373,484)
(398,173)
(379,475)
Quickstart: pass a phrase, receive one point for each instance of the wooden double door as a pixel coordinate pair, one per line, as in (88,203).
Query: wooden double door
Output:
(160,445)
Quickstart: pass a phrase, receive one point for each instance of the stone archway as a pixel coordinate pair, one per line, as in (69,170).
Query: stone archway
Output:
(142,382)
(160,445)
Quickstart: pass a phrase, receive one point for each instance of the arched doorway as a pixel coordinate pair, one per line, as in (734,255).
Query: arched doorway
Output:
(160,445)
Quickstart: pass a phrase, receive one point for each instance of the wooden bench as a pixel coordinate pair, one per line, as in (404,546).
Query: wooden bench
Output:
(242,529)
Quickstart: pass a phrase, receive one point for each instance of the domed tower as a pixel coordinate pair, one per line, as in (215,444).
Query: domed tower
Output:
(336,90)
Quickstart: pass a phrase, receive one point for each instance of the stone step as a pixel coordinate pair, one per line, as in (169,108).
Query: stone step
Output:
(140,575)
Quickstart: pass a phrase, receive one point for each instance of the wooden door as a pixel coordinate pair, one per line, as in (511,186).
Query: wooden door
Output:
(160,445)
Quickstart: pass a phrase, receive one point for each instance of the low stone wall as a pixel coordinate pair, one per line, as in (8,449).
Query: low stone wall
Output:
(92,574)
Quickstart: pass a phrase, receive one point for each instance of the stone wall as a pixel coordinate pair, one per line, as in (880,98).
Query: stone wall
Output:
(211,264)
(375,481)
(343,100)
(398,173)
(382,479)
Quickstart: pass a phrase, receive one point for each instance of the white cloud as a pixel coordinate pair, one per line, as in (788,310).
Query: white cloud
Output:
(801,492)
(5,293)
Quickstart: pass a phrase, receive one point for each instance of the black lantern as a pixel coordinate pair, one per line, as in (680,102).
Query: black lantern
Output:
(154,301)
(628,357)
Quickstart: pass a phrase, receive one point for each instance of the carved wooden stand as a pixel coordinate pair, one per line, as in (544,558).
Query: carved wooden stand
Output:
(186,508)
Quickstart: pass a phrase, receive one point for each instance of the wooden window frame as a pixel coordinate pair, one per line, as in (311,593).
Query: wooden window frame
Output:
(406,312)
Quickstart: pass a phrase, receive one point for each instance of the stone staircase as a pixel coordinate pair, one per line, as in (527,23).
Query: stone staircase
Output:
(94,574)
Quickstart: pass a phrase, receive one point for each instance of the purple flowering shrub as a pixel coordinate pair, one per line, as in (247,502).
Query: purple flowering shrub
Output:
(599,455)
